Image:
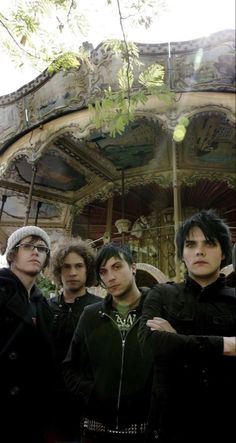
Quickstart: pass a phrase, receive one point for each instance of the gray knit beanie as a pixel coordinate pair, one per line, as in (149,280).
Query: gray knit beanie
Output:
(26,231)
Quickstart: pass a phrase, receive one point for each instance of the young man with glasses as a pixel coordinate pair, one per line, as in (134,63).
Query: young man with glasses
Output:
(26,352)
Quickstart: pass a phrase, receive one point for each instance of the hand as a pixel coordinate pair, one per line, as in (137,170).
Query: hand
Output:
(160,324)
(229,346)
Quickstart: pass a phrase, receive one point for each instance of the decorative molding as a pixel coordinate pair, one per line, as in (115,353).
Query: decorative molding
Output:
(47,97)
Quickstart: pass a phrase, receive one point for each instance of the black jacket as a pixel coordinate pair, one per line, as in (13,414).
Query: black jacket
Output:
(194,384)
(67,409)
(108,373)
(26,359)
(65,319)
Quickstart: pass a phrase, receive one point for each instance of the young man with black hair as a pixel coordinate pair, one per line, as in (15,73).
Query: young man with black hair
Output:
(26,352)
(194,375)
(104,367)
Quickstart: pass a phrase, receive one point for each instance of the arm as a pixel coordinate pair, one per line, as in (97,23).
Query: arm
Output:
(76,367)
(166,344)
(160,324)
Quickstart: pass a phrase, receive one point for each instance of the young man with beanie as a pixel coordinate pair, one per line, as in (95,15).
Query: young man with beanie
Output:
(73,267)
(104,367)
(26,353)
(195,361)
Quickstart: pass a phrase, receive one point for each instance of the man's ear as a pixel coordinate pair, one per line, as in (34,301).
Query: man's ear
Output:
(134,268)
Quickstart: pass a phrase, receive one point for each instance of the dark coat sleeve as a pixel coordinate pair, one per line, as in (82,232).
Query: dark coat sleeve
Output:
(76,368)
(167,345)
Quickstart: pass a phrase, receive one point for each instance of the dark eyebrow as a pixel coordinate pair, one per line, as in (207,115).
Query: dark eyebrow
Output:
(119,260)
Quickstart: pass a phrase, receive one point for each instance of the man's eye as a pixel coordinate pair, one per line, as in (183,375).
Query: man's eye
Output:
(42,248)
(27,246)
(210,242)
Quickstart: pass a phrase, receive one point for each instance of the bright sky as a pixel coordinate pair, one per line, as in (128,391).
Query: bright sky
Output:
(185,20)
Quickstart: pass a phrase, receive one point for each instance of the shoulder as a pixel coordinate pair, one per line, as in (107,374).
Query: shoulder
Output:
(92,297)
(4,294)
(93,310)
(8,283)
(93,307)
(160,287)
(166,289)
(228,292)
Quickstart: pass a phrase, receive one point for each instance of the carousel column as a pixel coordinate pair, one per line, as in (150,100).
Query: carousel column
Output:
(122,202)
(4,199)
(176,204)
(39,204)
(71,213)
(107,235)
(28,207)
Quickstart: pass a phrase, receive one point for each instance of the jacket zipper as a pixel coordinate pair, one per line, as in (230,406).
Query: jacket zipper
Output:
(123,341)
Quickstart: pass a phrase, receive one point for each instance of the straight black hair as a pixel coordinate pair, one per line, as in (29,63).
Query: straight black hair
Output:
(110,250)
(212,226)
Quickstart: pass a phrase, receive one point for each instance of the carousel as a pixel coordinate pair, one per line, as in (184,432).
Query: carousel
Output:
(58,172)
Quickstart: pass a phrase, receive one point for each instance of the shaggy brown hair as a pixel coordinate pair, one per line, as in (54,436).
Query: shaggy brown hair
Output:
(80,247)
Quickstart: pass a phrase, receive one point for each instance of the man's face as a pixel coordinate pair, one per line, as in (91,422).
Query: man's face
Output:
(117,276)
(202,257)
(29,261)
(73,273)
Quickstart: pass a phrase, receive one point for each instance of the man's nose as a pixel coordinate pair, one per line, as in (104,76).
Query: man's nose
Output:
(35,250)
(110,276)
(200,250)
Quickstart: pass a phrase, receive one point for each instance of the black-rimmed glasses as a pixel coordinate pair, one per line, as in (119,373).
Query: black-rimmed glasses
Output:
(30,247)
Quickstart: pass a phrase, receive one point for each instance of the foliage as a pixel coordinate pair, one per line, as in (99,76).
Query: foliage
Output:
(46,285)
(50,33)
(64,62)
(117,108)
(34,32)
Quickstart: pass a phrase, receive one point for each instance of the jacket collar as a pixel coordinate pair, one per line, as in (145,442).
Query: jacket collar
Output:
(211,291)
(107,302)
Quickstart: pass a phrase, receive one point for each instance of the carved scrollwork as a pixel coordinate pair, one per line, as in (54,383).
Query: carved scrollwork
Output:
(102,194)
(190,178)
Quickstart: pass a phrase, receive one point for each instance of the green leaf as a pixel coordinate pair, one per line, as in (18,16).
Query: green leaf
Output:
(65,61)
(153,76)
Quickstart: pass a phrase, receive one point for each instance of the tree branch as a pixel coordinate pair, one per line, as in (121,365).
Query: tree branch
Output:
(16,42)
